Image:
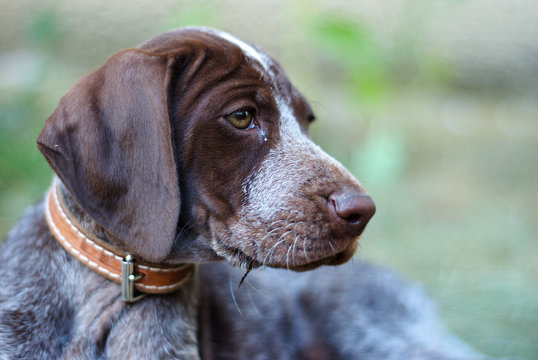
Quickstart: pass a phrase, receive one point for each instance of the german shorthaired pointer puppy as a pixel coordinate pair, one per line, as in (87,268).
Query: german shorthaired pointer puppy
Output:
(191,149)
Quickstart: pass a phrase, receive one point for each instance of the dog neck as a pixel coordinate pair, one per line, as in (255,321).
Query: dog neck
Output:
(88,242)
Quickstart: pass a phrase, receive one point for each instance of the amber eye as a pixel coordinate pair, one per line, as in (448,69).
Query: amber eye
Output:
(241,119)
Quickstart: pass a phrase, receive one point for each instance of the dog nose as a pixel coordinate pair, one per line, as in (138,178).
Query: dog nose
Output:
(352,210)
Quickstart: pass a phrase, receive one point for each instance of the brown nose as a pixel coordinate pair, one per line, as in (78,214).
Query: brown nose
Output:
(351,211)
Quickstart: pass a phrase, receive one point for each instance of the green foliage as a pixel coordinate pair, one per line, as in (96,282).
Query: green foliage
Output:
(349,44)
(200,13)
(45,29)
(381,160)
(23,173)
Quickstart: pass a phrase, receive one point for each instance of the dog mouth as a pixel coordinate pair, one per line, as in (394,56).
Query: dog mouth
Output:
(241,258)
(238,257)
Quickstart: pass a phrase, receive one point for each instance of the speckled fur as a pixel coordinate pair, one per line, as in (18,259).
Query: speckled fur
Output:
(53,307)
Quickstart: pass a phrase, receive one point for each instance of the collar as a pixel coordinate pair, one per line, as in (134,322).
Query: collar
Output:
(107,260)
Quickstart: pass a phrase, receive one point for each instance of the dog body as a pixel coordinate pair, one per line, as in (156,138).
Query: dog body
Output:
(53,307)
(191,149)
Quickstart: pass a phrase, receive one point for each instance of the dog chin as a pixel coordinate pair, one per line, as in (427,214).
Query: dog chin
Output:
(241,259)
(331,260)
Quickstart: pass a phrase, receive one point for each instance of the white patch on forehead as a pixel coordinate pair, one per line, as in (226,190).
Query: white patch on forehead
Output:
(247,49)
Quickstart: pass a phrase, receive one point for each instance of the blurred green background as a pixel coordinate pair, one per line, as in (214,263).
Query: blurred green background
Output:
(432,104)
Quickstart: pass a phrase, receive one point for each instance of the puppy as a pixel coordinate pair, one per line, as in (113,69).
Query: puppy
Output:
(191,149)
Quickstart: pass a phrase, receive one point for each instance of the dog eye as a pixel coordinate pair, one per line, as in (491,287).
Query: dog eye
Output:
(241,119)
(310,118)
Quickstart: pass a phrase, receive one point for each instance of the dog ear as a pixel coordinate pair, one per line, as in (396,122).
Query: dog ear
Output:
(110,141)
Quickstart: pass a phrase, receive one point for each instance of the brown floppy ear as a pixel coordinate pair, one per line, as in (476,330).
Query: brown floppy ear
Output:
(110,141)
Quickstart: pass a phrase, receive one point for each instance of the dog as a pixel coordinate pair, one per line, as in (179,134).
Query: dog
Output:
(191,149)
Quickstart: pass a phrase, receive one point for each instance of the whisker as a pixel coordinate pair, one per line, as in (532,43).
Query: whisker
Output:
(332,248)
(233,296)
(304,249)
(267,296)
(295,243)
(270,251)
(184,229)
(288,258)
(254,305)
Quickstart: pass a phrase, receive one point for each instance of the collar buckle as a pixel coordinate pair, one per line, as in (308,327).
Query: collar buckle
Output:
(128,279)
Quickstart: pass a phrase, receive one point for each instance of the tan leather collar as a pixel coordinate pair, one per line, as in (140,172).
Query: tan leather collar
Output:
(106,260)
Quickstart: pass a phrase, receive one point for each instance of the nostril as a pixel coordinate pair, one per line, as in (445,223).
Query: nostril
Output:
(353,218)
(353,207)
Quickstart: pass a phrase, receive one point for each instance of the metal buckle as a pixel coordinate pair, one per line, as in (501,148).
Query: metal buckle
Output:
(128,279)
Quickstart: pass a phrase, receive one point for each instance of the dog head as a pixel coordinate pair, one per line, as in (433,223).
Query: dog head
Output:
(194,147)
